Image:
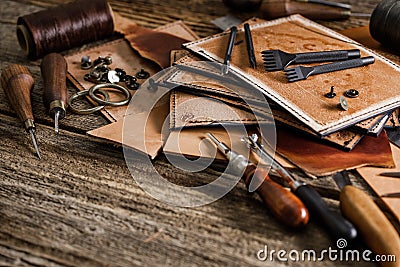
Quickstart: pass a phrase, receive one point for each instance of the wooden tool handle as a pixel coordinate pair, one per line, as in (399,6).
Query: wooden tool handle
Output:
(17,83)
(378,233)
(335,224)
(283,204)
(54,73)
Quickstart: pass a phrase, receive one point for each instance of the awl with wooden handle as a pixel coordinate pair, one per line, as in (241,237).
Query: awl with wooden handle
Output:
(17,83)
(55,96)
(377,231)
(285,206)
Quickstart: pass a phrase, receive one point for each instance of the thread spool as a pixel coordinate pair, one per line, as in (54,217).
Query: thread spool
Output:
(64,27)
(384,24)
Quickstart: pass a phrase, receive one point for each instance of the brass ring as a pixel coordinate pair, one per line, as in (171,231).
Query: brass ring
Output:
(106,102)
(88,110)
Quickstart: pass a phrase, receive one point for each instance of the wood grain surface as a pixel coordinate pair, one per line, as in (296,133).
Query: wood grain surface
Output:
(80,205)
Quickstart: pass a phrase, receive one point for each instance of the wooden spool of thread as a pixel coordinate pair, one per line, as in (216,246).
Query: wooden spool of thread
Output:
(65,26)
(384,25)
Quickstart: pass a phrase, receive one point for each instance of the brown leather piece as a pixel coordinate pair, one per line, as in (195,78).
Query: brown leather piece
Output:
(152,136)
(154,45)
(319,159)
(188,110)
(297,34)
(385,185)
(190,143)
(123,57)
(236,96)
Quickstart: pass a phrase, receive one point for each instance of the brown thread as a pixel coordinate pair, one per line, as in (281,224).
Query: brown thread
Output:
(65,26)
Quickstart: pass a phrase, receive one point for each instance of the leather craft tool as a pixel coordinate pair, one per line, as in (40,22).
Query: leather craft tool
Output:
(229,49)
(249,45)
(377,231)
(336,225)
(392,195)
(282,203)
(17,83)
(55,96)
(279,60)
(302,72)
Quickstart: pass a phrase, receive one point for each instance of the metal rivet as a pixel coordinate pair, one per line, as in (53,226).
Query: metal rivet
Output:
(112,76)
(133,86)
(131,82)
(343,103)
(331,94)
(352,93)
(142,74)
(108,60)
(86,63)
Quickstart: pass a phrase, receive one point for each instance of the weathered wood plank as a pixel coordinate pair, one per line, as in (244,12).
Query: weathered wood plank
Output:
(83,207)
(80,206)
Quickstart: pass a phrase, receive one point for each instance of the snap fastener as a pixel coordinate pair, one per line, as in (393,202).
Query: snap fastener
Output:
(343,103)
(352,93)
(331,94)
(142,74)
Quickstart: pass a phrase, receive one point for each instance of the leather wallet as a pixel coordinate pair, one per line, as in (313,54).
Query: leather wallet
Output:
(236,96)
(377,83)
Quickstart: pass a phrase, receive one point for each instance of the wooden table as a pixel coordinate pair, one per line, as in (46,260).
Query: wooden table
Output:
(80,206)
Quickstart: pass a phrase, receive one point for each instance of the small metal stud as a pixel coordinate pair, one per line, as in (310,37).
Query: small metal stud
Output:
(113,77)
(331,94)
(86,63)
(142,74)
(343,103)
(98,61)
(133,86)
(108,60)
(352,93)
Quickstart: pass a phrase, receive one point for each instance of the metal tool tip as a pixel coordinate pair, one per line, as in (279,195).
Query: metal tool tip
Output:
(56,119)
(213,138)
(224,69)
(34,140)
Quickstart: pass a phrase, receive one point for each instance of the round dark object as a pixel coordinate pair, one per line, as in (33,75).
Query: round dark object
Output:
(142,74)
(385,22)
(331,93)
(86,63)
(133,86)
(243,5)
(352,93)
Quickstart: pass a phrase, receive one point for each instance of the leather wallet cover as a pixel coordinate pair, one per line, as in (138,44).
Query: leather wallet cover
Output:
(235,96)
(377,83)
